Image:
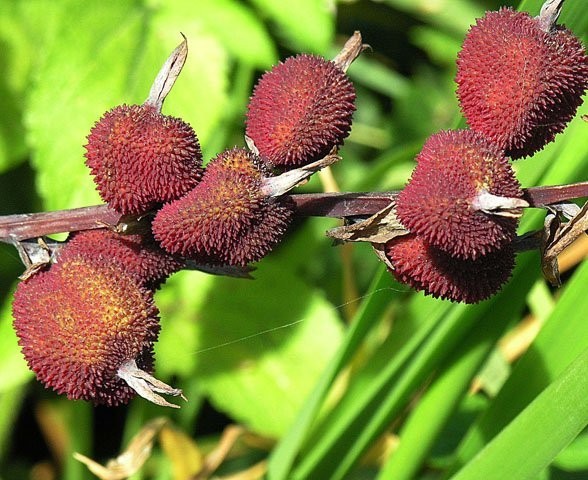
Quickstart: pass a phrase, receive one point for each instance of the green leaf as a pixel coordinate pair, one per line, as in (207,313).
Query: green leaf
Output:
(545,427)
(563,338)
(575,456)
(265,346)
(307,25)
(81,75)
(10,404)
(284,455)
(440,46)
(19,54)
(231,22)
(351,431)
(14,371)
(180,302)
(456,15)
(456,372)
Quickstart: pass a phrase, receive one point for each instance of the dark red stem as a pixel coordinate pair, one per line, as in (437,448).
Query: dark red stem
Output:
(338,205)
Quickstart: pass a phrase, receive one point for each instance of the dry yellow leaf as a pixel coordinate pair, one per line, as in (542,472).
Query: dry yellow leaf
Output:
(185,456)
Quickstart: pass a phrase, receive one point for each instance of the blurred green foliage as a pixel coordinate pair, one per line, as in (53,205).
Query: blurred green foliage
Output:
(323,352)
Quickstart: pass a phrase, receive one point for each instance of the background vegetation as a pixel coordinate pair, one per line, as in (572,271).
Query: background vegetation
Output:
(323,358)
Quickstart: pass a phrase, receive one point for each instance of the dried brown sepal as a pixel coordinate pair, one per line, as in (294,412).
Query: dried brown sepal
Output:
(549,14)
(36,255)
(129,224)
(167,76)
(380,252)
(558,236)
(147,385)
(379,228)
(132,459)
(352,49)
(283,183)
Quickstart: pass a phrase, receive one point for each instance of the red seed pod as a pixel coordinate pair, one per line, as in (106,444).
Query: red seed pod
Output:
(225,219)
(79,322)
(518,84)
(448,199)
(141,158)
(137,255)
(300,110)
(437,273)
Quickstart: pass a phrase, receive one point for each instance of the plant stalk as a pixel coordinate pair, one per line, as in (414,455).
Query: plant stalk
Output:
(338,205)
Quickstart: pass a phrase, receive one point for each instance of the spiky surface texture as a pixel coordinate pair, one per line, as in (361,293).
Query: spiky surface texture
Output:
(141,159)
(225,219)
(517,84)
(427,268)
(452,169)
(78,322)
(137,255)
(300,110)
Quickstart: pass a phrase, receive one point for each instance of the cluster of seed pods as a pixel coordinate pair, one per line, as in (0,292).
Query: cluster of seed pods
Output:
(519,81)
(87,322)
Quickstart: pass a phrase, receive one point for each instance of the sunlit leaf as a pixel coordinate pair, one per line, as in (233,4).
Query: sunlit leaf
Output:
(231,22)
(13,368)
(262,346)
(545,427)
(20,49)
(305,24)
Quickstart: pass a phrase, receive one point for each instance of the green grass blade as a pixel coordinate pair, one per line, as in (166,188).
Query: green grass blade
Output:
(79,418)
(436,406)
(564,337)
(350,432)
(545,427)
(348,421)
(284,455)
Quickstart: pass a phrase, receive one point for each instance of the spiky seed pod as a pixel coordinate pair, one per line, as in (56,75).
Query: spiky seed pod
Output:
(300,110)
(518,84)
(225,219)
(78,322)
(455,171)
(137,255)
(437,273)
(141,158)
